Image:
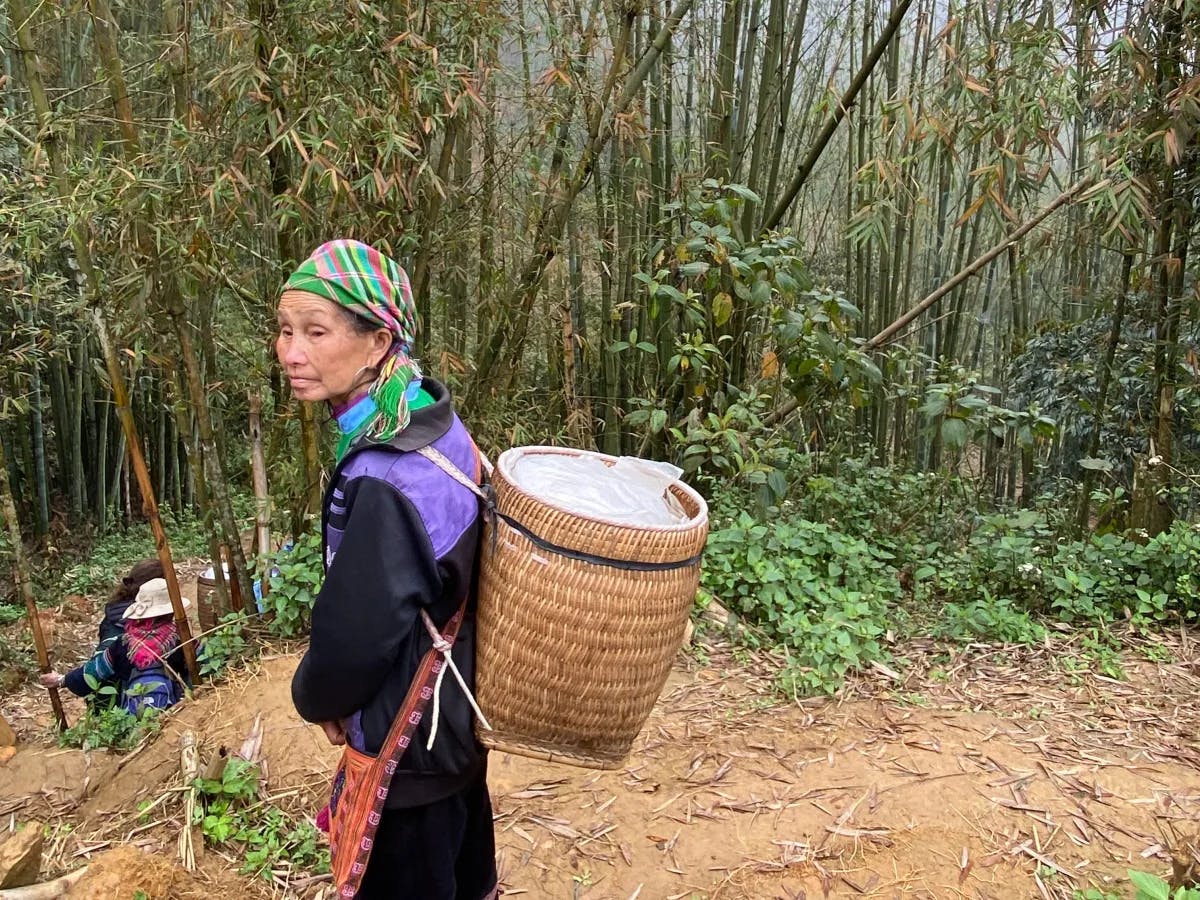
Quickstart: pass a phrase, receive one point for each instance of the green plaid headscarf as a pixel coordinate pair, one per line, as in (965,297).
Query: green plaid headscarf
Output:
(371,285)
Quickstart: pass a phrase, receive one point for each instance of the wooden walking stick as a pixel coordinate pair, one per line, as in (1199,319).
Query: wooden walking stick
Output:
(25,584)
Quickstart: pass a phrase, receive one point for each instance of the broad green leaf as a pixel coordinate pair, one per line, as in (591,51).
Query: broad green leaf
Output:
(1150,887)
(744,192)
(935,405)
(954,433)
(761,292)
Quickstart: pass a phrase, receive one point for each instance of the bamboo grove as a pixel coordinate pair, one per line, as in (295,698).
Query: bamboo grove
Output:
(676,227)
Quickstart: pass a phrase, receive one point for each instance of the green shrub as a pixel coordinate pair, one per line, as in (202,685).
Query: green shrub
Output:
(987,618)
(225,646)
(821,572)
(110,727)
(822,594)
(1017,560)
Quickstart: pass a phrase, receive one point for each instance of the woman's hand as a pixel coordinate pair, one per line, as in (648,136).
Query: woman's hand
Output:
(51,680)
(335,732)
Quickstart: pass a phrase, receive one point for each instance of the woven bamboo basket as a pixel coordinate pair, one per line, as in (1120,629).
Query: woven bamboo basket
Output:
(579,621)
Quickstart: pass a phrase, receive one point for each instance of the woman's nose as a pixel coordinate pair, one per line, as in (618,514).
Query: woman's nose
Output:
(291,352)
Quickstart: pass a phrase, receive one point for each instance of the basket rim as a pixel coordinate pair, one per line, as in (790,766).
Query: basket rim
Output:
(510,456)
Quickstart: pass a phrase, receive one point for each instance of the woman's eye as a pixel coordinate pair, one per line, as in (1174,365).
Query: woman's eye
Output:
(316,332)
(285,332)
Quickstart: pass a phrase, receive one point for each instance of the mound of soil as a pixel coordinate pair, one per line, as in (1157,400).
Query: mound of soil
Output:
(122,872)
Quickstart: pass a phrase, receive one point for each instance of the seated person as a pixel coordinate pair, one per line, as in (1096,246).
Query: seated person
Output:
(112,626)
(139,654)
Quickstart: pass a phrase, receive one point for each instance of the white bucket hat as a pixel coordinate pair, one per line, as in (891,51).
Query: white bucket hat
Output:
(152,601)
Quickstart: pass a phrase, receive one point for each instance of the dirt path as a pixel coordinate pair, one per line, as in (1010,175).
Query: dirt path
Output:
(996,777)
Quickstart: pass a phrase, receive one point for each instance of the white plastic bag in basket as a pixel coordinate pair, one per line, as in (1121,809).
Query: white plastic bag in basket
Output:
(632,491)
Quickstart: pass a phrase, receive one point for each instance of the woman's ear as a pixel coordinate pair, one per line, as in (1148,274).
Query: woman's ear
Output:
(381,343)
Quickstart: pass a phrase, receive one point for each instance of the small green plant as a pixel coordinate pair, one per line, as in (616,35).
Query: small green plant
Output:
(1101,651)
(110,727)
(988,618)
(231,814)
(225,646)
(822,594)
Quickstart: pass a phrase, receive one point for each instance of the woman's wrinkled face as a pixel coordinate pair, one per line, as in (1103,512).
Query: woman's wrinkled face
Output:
(324,356)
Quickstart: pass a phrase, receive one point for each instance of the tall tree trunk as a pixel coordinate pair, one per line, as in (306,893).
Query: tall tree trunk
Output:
(1105,379)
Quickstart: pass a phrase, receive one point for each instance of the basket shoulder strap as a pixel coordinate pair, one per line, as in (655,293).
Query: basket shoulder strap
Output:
(439,459)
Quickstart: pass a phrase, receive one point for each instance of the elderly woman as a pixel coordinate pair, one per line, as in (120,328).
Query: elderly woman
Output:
(411,815)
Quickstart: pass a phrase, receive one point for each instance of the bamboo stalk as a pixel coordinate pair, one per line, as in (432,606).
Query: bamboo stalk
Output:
(258,472)
(149,504)
(835,117)
(21,571)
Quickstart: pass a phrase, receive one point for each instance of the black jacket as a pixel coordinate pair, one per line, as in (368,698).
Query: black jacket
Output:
(400,535)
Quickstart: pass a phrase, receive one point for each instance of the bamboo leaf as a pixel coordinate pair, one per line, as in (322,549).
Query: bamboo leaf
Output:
(722,308)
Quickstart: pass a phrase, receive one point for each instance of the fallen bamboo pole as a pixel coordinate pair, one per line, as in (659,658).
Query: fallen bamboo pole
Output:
(47,890)
(1068,196)
(133,445)
(25,584)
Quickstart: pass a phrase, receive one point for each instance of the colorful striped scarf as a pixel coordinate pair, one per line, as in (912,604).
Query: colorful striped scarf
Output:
(371,285)
(150,641)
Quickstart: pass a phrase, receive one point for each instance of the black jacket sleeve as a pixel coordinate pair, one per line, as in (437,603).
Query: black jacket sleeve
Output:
(104,667)
(383,573)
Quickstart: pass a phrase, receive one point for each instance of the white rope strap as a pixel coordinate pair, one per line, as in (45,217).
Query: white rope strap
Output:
(439,643)
(442,646)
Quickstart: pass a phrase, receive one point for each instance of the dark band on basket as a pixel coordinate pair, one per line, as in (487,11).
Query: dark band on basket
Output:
(627,565)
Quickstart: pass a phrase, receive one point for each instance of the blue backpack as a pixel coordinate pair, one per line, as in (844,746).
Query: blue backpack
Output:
(149,688)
